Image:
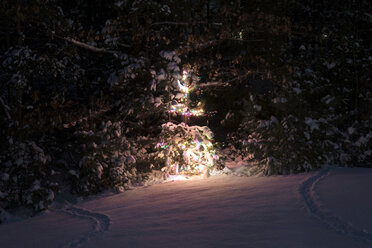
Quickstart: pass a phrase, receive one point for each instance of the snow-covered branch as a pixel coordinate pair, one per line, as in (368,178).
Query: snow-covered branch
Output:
(218,84)
(187,49)
(227,83)
(184,23)
(91,115)
(241,39)
(169,23)
(5,107)
(90,47)
(86,46)
(124,45)
(239,78)
(210,43)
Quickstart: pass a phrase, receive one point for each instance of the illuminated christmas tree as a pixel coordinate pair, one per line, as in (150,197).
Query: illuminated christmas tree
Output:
(183,105)
(186,150)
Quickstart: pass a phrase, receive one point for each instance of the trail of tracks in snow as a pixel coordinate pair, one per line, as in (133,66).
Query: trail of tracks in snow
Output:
(316,209)
(101,224)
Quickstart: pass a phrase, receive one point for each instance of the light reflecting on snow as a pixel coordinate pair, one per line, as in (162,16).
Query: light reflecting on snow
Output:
(219,211)
(178,178)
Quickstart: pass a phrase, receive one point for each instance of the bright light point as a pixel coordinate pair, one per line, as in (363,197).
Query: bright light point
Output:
(178,178)
(182,87)
(182,107)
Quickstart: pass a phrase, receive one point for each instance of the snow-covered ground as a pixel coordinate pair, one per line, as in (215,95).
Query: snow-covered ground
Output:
(328,208)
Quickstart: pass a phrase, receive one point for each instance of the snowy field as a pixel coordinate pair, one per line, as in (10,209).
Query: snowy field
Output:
(327,208)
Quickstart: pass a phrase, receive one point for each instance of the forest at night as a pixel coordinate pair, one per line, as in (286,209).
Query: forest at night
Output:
(191,123)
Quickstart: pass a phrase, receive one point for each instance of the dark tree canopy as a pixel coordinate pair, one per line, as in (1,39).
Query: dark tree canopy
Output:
(85,85)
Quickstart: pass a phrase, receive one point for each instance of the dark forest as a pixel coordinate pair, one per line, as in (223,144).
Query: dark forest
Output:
(86,87)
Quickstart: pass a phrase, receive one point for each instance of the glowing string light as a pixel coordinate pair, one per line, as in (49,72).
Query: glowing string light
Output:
(196,155)
(182,87)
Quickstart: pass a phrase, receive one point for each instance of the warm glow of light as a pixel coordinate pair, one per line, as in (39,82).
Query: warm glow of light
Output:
(184,76)
(192,156)
(183,88)
(197,112)
(197,157)
(178,108)
(179,178)
(189,153)
(182,108)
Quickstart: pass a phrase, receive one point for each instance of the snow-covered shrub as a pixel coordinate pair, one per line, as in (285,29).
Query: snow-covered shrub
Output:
(4,216)
(186,149)
(25,176)
(108,159)
(354,146)
(333,105)
(278,138)
(309,123)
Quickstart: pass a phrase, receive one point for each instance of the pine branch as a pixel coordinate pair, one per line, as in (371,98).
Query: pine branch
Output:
(184,23)
(208,84)
(86,46)
(188,49)
(124,45)
(90,47)
(5,107)
(92,115)
(227,83)
(239,78)
(170,23)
